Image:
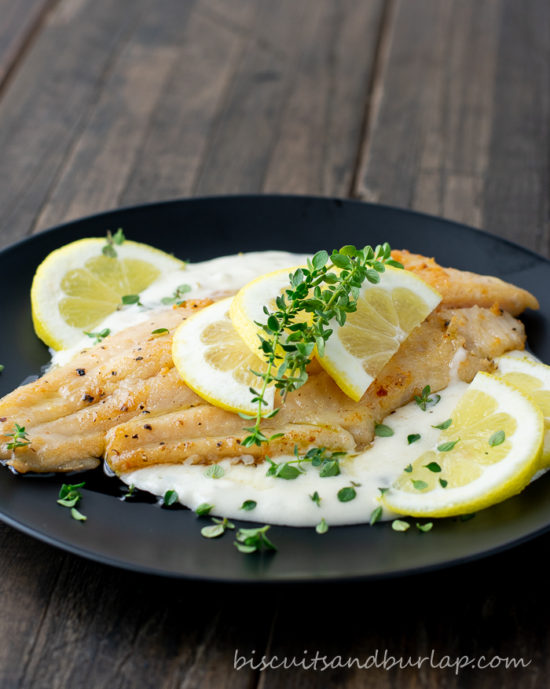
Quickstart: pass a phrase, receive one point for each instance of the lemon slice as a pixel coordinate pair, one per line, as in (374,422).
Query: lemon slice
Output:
(76,287)
(386,314)
(498,432)
(356,352)
(214,361)
(248,304)
(533,378)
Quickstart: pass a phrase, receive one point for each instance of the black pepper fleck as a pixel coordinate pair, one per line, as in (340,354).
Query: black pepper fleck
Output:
(88,398)
(81,371)
(139,358)
(148,427)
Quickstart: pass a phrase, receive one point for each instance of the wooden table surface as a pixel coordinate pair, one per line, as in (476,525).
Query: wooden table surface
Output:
(437,105)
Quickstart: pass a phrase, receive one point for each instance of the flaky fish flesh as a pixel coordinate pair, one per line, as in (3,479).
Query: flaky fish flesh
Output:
(123,400)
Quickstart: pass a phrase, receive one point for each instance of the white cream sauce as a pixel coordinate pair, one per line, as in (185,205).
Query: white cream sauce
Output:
(279,501)
(288,502)
(224,275)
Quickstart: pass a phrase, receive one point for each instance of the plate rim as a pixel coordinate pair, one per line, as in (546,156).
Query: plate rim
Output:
(266,578)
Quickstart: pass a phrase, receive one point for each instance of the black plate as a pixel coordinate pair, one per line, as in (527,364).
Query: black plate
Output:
(141,536)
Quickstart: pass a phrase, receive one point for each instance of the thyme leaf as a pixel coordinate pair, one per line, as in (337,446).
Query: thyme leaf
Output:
(288,341)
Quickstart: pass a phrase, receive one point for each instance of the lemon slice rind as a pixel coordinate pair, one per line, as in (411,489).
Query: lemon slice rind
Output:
(523,372)
(498,481)
(219,387)
(248,304)
(47,292)
(348,370)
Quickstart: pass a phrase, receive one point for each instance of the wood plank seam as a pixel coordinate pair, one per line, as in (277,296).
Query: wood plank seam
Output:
(374,94)
(37,628)
(81,124)
(225,101)
(26,43)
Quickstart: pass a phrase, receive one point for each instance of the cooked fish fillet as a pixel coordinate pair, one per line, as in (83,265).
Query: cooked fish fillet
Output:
(206,434)
(68,410)
(123,399)
(460,288)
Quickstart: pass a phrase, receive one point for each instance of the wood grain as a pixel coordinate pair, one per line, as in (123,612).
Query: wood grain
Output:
(20,20)
(491,608)
(44,109)
(271,98)
(462,127)
(438,106)
(104,627)
(292,117)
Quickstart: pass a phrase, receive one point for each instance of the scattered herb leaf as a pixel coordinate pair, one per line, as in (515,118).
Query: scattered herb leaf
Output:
(400,525)
(203,509)
(419,484)
(424,527)
(328,464)
(426,399)
(100,336)
(69,496)
(283,470)
(129,493)
(316,498)
(213,531)
(322,526)
(112,239)
(433,466)
(248,505)
(383,431)
(375,515)
(253,540)
(177,296)
(346,494)
(497,438)
(443,426)
(75,514)
(443,482)
(413,437)
(446,447)
(170,498)
(128,299)
(408,468)
(214,471)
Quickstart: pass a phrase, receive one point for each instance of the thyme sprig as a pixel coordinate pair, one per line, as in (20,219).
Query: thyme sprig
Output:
(326,290)
(70,496)
(19,438)
(327,462)
(111,240)
(99,336)
(178,297)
